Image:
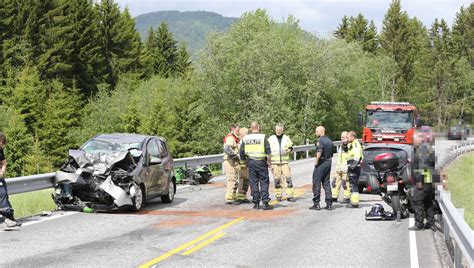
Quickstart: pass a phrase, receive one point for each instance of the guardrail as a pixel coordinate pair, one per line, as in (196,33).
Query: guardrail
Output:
(454,224)
(44,181)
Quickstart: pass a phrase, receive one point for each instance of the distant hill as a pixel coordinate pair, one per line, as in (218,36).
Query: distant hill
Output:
(191,27)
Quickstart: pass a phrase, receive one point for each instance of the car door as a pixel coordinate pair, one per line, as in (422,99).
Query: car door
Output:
(154,168)
(167,166)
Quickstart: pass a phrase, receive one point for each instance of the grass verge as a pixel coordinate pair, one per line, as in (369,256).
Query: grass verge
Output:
(32,203)
(461,184)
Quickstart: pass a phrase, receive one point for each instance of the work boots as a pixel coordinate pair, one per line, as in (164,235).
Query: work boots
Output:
(256,205)
(267,206)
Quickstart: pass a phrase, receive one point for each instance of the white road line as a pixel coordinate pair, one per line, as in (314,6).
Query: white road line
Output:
(413,249)
(43,219)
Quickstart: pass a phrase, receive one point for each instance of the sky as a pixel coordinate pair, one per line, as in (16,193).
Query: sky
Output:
(320,17)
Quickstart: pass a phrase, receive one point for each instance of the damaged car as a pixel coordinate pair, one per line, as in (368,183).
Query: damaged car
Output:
(115,171)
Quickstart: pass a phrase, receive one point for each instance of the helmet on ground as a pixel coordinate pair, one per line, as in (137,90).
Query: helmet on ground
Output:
(376,210)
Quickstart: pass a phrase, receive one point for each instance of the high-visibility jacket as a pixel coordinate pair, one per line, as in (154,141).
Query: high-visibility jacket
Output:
(355,151)
(342,157)
(255,146)
(280,151)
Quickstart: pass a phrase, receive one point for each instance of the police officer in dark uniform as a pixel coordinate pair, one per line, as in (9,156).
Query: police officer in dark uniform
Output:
(256,150)
(422,200)
(6,210)
(322,169)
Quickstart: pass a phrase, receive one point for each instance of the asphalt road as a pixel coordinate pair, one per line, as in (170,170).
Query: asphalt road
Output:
(198,229)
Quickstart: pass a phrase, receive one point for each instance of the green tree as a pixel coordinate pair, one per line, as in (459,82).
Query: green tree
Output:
(400,39)
(19,143)
(463,33)
(183,61)
(61,114)
(166,51)
(342,30)
(148,56)
(36,162)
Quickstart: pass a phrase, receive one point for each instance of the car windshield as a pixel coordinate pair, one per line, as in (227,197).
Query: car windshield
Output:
(389,119)
(371,153)
(108,147)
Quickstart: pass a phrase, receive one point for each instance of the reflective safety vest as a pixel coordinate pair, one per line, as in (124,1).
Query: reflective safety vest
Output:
(280,152)
(355,151)
(427,175)
(342,157)
(255,146)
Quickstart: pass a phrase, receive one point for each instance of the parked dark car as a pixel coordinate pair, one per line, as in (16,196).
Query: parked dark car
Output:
(458,132)
(403,151)
(115,171)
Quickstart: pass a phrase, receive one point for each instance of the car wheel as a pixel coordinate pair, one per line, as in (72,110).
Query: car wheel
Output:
(168,198)
(139,199)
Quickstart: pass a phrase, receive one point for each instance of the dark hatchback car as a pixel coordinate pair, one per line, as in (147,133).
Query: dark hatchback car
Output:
(115,171)
(403,151)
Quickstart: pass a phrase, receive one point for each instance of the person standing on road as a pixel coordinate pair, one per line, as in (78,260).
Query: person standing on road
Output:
(256,150)
(281,147)
(7,218)
(322,169)
(341,172)
(423,192)
(353,162)
(231,163)
(243,184)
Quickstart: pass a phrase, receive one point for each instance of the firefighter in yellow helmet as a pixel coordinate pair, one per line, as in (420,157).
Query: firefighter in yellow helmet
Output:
(231,163)
(341,171)
(353,162)
(281,147)
(243,183)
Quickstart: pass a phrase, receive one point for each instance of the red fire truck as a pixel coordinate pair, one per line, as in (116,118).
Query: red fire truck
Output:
(389,122)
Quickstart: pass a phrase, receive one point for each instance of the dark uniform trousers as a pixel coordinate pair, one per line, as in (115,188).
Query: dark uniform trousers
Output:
(321,176)
(5,207)
(259,180)
(422,204)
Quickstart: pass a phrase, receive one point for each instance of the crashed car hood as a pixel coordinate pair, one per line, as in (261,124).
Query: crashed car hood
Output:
(100,162)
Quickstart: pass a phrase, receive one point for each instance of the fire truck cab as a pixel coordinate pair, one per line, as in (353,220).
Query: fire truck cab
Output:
(389,122)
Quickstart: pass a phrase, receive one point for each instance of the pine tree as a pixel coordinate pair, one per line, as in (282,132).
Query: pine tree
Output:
(148,56)
(183,61)
(370,43)
(121,45)
(166,51)
(127,43)
(61,114)
(399,40)
(342,29)
(357,29)
(56,62)
(19,143)
(28,98)
(36,162)
(87,59)
(463,33)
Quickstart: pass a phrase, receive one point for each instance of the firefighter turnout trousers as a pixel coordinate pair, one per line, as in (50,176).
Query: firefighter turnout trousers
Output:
(231,169)
(243,184)
(354,181)
(341,179)
(282,179)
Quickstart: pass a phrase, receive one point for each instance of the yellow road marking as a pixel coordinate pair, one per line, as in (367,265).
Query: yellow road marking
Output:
(187,245)
(203,244)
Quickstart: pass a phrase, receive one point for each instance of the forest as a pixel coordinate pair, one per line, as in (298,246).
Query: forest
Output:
(72,69)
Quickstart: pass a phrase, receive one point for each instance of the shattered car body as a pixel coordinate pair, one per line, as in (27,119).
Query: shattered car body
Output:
(113,171)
